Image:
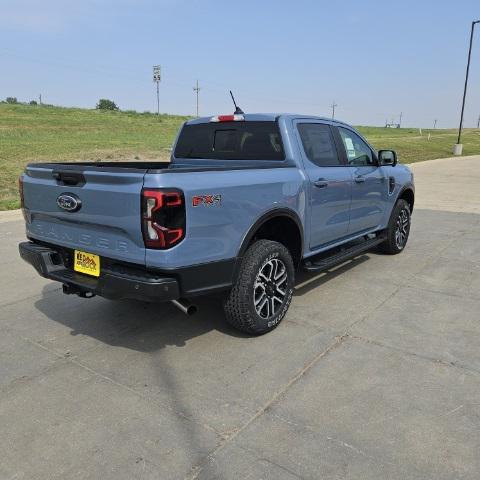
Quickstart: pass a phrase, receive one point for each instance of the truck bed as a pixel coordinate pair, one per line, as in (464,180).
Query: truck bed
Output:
(199,165)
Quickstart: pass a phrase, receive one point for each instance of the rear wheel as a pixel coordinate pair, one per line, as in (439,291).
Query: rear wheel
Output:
(398,229)
(263,291)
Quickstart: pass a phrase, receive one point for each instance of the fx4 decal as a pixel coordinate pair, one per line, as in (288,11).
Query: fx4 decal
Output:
(206,200)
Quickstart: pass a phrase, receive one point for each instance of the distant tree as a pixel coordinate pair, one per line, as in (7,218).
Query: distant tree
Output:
(105,104)
(33,102)
(11,100)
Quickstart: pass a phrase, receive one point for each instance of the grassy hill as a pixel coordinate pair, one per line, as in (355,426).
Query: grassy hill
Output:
(412,146)
(34,133)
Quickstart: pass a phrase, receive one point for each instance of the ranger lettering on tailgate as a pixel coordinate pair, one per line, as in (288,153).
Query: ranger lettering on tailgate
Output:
(49,231)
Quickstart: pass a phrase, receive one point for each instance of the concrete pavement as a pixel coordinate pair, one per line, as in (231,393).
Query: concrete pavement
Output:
(374,374)
(449,184)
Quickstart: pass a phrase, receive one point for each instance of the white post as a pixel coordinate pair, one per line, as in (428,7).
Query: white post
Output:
(457,149)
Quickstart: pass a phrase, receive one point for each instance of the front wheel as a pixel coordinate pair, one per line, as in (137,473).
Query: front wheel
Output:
(398,229)
(263,290)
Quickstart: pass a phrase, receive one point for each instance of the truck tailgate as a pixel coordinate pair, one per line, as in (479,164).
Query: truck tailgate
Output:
(108,221)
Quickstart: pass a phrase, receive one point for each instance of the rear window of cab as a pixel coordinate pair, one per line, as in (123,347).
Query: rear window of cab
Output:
(236,140)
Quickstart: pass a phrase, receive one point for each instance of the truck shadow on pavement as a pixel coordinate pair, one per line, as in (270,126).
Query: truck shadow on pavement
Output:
(148,327)
(140,326)
(308,281)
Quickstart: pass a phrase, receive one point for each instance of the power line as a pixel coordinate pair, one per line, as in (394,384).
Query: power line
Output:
(208,85)
(197,91)
(104,71)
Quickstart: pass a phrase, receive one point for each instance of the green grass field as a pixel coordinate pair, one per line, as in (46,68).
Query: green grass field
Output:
(33,133)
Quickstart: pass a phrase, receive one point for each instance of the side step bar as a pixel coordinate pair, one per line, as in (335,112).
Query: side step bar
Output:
(325,261)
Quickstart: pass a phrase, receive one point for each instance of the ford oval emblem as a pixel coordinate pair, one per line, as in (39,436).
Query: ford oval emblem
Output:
(69,202)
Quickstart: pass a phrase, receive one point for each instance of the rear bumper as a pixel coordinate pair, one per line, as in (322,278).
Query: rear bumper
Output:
(113,283)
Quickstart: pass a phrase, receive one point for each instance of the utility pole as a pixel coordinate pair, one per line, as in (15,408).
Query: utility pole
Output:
(478,122)
(434,124)
(332,106)
(156,79)
(457,149)
(40,99)
(400,121)
(197,91)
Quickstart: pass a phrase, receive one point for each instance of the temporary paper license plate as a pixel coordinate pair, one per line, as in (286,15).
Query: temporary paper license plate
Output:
(87,263)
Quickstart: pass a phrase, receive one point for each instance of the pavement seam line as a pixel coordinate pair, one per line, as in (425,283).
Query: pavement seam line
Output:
(28,378)
(403,284)
(263,458)
(196,470)
(439,292)
(30,297)
(374,309)
(445,363)
(74,361)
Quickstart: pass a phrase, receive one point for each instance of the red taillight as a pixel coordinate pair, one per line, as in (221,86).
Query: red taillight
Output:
(163,221)
(22,198)
(20,191)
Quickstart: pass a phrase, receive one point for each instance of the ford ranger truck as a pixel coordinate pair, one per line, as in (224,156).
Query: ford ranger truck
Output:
(245,201)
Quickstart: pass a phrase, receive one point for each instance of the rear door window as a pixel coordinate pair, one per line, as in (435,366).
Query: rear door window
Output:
(231,141)
(318,144)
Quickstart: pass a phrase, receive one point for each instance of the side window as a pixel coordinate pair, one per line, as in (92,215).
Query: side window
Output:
(358,152)
(318,143)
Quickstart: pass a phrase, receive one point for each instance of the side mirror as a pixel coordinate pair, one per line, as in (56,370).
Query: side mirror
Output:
(387,157)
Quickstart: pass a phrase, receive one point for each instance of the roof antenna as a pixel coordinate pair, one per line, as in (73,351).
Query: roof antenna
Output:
(238,110)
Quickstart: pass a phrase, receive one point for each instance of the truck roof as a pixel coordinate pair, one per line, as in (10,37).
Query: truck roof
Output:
(268,117)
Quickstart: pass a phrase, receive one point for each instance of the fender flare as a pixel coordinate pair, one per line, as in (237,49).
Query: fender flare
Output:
(409,187)
(265,217)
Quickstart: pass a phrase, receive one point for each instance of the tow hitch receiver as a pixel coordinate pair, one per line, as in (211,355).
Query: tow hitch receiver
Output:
(74,290)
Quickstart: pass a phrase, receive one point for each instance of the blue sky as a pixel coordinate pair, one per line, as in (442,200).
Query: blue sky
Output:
(374,58)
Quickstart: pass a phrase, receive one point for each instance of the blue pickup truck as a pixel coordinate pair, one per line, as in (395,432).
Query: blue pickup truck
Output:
(246,201)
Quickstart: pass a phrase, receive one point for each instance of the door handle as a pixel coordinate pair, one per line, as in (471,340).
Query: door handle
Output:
(320,183)
(359,179)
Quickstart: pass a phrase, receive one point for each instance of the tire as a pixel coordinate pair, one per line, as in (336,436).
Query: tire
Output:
(263,289)
(398,229)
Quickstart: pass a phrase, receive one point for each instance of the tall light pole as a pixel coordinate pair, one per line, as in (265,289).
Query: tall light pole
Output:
(156,79)
(197,91)
(458,147)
